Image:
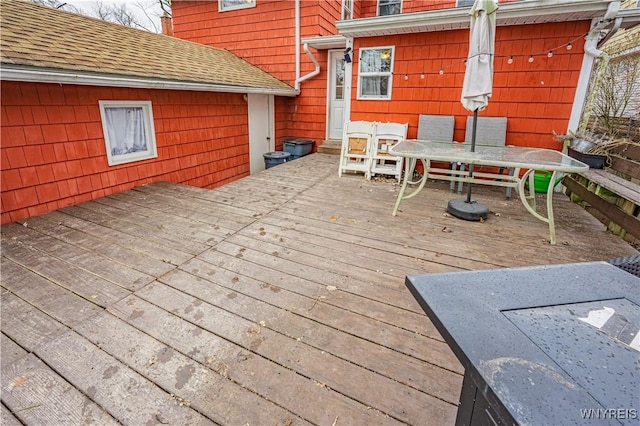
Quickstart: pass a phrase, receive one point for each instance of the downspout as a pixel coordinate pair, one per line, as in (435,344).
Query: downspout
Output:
(313,73)
(591,54)
(316,71)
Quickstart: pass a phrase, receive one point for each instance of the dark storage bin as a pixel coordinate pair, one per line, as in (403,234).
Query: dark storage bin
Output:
(595,161)
(276,157)
(297,147)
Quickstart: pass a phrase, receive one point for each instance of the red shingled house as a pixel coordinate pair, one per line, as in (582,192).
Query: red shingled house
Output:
(407,58)
(90,108)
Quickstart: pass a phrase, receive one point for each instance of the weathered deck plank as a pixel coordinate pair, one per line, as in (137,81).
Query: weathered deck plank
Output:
(116,236)
(9,351)
(37,395)
(26,325)
(318,326)
(182,378)
(132,258)
(126,278)
(54,300)
(8,419)
(92,287)
(400,402)
(123,393)
(296,393)
(278,298)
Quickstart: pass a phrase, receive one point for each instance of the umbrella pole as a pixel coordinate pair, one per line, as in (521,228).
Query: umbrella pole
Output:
(467,209)
(473,149)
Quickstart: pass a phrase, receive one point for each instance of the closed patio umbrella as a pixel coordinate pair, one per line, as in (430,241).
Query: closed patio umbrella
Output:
(476,90)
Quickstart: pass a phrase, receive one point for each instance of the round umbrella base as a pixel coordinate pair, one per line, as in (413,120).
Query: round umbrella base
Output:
(474,210)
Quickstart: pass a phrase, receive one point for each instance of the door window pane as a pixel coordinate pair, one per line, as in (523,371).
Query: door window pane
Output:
(339,78)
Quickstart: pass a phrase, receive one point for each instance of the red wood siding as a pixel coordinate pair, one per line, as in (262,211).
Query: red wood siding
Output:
(53,152)
(535,97)
(265,36)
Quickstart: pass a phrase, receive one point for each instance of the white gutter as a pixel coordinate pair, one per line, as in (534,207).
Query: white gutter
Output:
(297,41)
(591,53)
(320,42)
(313,73)
(511,13)
(87,79)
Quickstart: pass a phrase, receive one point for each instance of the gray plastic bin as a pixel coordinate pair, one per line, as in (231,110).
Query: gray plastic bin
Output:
(297,147)
(276,157)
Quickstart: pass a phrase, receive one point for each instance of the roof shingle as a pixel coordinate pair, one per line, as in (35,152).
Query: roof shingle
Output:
(40,37)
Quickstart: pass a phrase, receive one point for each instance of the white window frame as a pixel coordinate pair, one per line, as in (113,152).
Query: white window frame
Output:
(149,130)
(347,9)
(378,8)
(243,4)
(389,74)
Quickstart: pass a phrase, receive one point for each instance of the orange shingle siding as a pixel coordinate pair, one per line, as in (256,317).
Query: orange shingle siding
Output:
(265,36)
(53,154)
(536,97)
(269,44)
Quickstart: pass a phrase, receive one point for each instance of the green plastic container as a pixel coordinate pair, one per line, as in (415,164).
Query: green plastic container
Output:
(541,180)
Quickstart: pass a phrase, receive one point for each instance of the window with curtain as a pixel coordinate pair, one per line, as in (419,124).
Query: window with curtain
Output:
(375,73)
(389,7)
(224,5)
(128,129)
(347,9)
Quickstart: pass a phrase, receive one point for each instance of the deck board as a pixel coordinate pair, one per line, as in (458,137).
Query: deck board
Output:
(37,394)
(276,299)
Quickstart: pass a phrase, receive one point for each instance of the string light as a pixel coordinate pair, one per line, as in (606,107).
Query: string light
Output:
(510,59)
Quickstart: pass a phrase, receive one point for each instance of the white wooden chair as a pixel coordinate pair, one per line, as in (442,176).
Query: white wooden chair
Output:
(490,131)
(385,136)
(355,154)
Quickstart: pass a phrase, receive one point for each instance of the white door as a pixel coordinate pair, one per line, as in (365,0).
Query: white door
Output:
(261,138)
(335,94)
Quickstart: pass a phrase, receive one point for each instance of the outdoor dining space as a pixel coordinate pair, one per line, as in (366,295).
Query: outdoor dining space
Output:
(279,298)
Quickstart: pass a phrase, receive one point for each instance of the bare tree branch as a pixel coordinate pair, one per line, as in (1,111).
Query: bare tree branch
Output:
(165,5)
(57,4)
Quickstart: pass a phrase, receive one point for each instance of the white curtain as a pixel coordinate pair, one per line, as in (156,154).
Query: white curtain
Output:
(375,61)
(125,130)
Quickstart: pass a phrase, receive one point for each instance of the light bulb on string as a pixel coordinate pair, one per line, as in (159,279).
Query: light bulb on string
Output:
(569,46)
(441,71)
(422,76)
(406,77)
(510,60)
(550,54)
(530,58)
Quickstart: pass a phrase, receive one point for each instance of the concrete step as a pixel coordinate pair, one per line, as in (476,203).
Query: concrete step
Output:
(330,146)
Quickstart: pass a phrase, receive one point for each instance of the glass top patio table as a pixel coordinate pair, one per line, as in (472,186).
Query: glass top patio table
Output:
(507,156)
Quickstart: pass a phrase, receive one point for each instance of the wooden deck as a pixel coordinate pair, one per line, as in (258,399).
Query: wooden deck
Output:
(276,299)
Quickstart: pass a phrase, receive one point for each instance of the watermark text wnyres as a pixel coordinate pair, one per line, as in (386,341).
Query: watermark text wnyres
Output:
(609,413)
